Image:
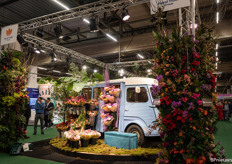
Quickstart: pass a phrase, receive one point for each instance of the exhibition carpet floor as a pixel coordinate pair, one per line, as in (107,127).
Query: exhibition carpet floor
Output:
(49,133)
(224,134)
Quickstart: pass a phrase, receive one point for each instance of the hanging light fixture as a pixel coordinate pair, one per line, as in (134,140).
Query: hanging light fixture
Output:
(58,31)
(93,24)
(53,56)
(40,32)
(125,14)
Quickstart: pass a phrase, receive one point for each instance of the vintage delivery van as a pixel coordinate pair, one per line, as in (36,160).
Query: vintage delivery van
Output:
(137,111)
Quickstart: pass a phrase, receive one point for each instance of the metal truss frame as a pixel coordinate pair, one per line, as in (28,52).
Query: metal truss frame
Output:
(77,12)
(68,52)
(132,63)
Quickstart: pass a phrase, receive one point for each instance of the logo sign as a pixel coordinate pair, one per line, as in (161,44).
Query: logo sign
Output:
(9,34)
(168,4)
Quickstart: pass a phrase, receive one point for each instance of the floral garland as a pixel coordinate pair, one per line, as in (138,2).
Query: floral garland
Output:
(183,67)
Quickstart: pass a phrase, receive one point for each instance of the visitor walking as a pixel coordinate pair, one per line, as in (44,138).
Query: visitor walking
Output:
(39,109)
(27,114)
(220,110)
(226,111)
(230,107)
(47,113)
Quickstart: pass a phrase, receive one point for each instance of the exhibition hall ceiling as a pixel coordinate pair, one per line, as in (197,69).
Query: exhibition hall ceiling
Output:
(135,35)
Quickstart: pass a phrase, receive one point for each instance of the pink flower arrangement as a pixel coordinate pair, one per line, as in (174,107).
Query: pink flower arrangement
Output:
(115,92)
(107,120)
(113,107)
(184,99)
(109,88)
(110,98)
(92,113)
(96,134)
(105,107)
(73,135)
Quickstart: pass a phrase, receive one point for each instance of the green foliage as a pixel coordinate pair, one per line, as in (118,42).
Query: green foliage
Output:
(101,148)
(12,98)
(185,67)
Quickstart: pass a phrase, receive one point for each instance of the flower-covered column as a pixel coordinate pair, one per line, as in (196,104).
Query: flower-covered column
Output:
(184,66)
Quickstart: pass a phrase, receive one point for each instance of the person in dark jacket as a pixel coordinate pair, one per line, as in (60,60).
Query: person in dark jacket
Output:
(27,114)
(230,107)
(39,109)
(49,106)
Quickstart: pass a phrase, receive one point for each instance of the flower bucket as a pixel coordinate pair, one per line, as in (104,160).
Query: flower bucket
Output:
(74,144)
(58,133)
(93,141)
(62,134)
(84,143)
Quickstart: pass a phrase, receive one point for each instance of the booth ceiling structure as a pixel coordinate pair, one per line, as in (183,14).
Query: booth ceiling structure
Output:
(133,35)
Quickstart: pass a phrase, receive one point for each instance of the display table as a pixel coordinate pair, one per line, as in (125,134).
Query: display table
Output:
(121,140)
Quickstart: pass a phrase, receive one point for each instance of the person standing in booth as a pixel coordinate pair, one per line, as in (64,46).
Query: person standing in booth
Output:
(27,115)
(220,110)
(39,109)
(226,111)
(47,113)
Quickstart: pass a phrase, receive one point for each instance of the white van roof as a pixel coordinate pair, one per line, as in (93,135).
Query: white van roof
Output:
(135,81)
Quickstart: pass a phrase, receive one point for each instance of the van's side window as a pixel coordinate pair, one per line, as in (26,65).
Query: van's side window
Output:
(97,92)
(132,96)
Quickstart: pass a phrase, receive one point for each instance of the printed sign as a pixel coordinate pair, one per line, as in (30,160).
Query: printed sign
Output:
(9,34)
(168,4)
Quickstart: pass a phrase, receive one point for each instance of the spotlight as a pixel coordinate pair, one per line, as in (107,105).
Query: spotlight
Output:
(58,31)
(93,24)
(149,70)
(121,72)
(84,67)
(53,56)
(86,21)
(22,41)
(125,14)
(95,71)
(37,51)
(39,32)
(43,51)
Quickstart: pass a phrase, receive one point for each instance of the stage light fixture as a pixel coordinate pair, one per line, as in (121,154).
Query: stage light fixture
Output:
(56,71)
(95,71)
(93,24)
(149,70)
(84,67)
(58,31)
(21,41)
(53,56)
(40,32)
(125,14)
(37,51)
(42,68)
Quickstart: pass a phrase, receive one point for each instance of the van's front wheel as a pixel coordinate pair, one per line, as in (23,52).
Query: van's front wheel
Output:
(136,130)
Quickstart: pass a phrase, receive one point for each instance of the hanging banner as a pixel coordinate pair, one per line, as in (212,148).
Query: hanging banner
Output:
(168,4)
(9,34)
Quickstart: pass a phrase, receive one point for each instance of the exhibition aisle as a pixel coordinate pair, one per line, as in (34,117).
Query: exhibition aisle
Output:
(224,134)
(7,159)
(49,133)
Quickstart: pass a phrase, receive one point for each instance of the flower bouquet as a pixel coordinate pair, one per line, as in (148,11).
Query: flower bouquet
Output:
(92,113)
(115,92)
(109,88)
(110,98)
(103,115)
(93,103)
(104,98)
(113,107)
(95,134)
(73,137)
(108,120)
(105,107)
